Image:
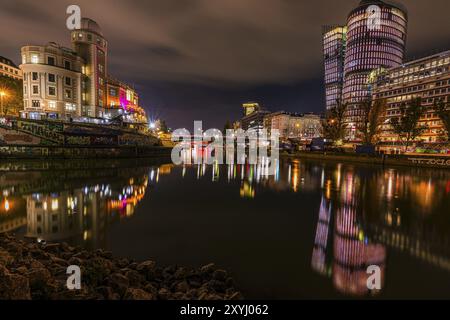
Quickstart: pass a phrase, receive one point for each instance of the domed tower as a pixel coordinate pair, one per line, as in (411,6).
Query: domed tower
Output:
(376,38)
(88,42)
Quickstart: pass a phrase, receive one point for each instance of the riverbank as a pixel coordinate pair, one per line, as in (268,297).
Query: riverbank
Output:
(421,161)
(37,271)
(81,152)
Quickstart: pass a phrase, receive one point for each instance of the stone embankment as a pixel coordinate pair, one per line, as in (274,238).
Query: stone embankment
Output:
(32,270)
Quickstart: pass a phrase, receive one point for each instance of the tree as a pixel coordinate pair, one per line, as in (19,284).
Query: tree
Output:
(407,126)
(163,126)
(372,119)
(13,99)
(443,111)
(333,124)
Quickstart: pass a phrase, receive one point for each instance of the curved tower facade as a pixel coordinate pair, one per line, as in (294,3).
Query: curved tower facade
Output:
(376,38)
(88,42)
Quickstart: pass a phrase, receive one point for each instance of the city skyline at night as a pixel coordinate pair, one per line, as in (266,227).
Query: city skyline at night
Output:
(284,70)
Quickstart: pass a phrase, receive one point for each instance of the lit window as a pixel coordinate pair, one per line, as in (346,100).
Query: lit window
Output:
(52,104)
(70,107)
(34,58)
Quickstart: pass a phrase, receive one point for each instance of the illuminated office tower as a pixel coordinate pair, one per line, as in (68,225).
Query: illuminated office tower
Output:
(375,39)
(88,42)
(334,43)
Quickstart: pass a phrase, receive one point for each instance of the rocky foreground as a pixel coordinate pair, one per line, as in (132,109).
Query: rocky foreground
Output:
(31,270)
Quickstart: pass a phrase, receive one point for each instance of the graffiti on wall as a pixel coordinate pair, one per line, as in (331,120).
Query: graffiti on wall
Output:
(135,139)
(48,131)
(13,137)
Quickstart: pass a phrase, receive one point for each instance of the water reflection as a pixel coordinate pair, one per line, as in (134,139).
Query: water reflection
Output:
(365,214)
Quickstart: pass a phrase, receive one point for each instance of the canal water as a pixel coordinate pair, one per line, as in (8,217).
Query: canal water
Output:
(310,231)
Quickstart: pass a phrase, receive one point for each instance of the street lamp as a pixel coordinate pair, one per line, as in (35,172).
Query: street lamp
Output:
(2,94)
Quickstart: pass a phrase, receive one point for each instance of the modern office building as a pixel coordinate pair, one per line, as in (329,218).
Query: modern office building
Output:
(334,44)
(73,84)
(52,82)
(374,40)
(9,69)
(427,78)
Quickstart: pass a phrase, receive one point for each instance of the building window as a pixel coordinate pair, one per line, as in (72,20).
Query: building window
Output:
(68,94)
(35,89)
(52,104)
(71,107)
(52,91)
(89,36)
(113,92)
(35,76)
(100,68)
(25,90)
(51,61)
(51,78)
(36,103)
(67,65)
(68,81)
(34,58)
(24,59)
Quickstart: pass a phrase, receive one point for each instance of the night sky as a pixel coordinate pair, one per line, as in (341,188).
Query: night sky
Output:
(200,59)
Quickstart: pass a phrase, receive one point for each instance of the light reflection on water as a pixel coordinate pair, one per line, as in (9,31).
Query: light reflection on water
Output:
(360,216)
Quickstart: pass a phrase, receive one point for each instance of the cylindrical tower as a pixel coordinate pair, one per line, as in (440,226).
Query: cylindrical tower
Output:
(88,42)
(376,37)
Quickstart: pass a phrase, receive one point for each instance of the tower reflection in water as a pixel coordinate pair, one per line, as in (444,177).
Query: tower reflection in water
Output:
(80,214)
(339,234)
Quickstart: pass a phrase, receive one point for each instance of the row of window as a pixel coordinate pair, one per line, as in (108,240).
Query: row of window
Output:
(71,107)
(50,78)
(51,60)
(51,91)
(11,70)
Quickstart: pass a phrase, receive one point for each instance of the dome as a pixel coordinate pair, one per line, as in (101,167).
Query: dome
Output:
(90,25)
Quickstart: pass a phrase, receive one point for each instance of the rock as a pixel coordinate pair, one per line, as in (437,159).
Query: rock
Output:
(119,283)
(236,296)
(164,294)
(218,286)
(182,287)
(220,275)
(151,289)
(13,286)
(137,294)
(134,278)
(38,277)
(5,258)
(74,261)
(38,271)
(209,268)
(122,263)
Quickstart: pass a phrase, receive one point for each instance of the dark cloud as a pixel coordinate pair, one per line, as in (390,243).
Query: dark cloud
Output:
(199,59)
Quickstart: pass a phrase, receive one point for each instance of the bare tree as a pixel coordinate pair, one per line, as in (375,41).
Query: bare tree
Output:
(443,111)
(333,125)
(372,119)
(407,126)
